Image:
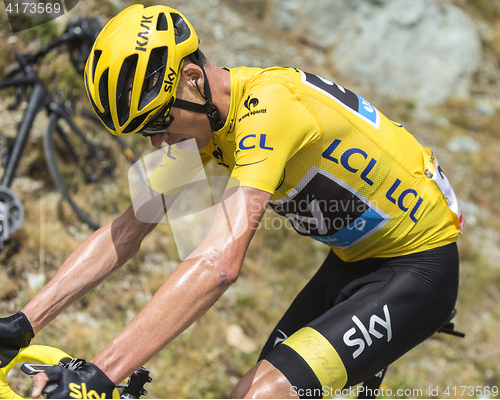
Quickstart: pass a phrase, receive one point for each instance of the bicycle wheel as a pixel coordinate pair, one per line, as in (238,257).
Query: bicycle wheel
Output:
(89,166)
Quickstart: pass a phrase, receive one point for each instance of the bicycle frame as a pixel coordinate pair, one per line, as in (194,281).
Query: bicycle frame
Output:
(25,77)
(37,99)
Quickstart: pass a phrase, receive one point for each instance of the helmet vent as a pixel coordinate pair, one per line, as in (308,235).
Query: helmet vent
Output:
(162,23)
(103,95)
(97,55)
(104,116)
(182,28)
(135,123)
(154,76)
(124,87)
(103,90)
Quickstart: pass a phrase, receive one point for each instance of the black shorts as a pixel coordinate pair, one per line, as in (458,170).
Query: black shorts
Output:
(354,319)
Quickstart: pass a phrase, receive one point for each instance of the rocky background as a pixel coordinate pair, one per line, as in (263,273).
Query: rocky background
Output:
(432,65)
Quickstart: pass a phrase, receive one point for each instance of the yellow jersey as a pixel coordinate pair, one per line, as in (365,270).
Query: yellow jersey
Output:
(338,169)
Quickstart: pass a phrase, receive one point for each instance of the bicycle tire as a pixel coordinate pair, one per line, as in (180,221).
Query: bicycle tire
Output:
(88,165)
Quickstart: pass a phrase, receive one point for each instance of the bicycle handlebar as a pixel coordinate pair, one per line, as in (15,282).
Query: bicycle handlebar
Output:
(85,31)
(132,387)
(30,354)
(80,33)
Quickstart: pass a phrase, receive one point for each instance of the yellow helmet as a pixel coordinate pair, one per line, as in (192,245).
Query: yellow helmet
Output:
(140,51)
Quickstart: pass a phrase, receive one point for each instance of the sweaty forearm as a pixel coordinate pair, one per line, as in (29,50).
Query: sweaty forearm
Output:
(187,294)
(194,286)
(84,269)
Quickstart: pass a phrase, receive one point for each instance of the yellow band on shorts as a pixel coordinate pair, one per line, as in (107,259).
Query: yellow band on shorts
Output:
(320,355)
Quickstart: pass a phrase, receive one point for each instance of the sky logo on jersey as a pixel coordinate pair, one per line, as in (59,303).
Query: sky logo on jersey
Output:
(347,99)
(373,330)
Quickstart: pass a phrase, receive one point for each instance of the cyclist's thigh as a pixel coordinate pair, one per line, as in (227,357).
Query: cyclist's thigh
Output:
(387,312)
(309,304)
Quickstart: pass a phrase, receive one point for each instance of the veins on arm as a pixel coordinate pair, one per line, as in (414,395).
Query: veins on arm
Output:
(194,286)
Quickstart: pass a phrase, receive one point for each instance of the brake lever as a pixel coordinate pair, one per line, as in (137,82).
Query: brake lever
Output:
(18,99)
(49,389)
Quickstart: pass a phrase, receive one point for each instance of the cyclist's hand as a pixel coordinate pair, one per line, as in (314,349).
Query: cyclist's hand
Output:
(78,379)
(15,331)
(7,354)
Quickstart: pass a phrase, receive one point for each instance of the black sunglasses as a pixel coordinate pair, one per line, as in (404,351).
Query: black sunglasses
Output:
(161,123)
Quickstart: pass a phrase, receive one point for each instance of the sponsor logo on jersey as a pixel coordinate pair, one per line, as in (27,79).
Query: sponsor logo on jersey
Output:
(406,198)
(219,156)
(351,339)
(344,97)
(446,189)
(251,141)
(278,339)
(338,217)
(250,104)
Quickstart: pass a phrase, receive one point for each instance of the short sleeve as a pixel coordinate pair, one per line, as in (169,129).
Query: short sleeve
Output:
(272,127)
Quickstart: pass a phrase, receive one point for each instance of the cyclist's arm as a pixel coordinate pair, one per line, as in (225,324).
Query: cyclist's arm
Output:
(195,285)
(99,255)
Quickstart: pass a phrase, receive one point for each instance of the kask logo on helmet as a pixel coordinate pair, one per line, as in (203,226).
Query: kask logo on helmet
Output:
(141,46)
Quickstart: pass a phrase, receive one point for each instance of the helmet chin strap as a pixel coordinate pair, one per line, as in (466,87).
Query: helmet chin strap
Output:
(216,123)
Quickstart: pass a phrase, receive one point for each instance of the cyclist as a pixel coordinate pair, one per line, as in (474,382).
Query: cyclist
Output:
(315,152)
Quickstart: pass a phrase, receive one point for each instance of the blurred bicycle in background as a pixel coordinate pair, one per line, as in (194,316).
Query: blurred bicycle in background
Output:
(84,160)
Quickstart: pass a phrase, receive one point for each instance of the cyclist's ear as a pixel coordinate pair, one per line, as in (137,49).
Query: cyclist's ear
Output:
(192,72)
(191,79)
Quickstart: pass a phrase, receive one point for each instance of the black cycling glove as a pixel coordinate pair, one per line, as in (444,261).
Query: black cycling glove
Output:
(15,331)
(79,379)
